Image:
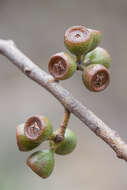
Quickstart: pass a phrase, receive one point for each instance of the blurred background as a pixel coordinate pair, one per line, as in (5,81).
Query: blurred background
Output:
(38,27)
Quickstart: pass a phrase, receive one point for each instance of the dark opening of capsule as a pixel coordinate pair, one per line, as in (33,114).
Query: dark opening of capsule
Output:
(58,67)
(100,80)
(77,35)
(33,128)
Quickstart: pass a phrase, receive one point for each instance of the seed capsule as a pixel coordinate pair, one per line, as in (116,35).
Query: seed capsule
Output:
(38,129)
(68,144)
(77,40)
(98,56)
(96,39)
(24,144)
(96,77)
(62,66)
(42,163)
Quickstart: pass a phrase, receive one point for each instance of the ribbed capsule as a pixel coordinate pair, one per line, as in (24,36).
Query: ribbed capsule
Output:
(96,39)
(38,129)
(98,56)
(67,145)
(42,163)
(23,143)
(96,77)
(62,66)
(77,40)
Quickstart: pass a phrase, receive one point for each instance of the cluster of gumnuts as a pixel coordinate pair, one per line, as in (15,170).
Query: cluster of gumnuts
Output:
(94,63)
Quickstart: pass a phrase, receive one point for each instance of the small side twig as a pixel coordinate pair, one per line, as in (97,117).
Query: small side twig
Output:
(61,131)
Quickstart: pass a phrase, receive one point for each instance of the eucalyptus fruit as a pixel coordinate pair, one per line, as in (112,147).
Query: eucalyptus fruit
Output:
(77,40)
(96,77)
(38,129)
(98,56)
(24,144)
(42,163)
(96,39)
(62,66)
(67,145)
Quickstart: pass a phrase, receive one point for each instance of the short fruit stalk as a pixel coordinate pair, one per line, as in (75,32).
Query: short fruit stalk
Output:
(61,131)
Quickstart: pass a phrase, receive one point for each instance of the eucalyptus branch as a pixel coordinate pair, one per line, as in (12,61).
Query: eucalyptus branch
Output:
(8,49)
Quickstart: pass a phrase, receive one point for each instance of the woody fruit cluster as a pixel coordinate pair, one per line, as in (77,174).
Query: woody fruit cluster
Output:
(35,131)
(91,60)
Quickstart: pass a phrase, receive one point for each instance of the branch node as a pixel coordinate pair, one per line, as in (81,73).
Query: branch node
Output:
(27,71)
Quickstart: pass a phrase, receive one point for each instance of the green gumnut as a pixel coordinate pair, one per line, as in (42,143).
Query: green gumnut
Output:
(98,56)
(77,40)
(42,163)
(68,144)
(24,144)
(96,39)
(38,129)
(62,66)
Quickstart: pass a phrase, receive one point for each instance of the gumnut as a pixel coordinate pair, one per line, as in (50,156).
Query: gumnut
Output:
(96,77)
(23,143)
(42,163)
(38,129)
(77,40)
(96,39)
(67,145)
(62,66)
(98,56)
